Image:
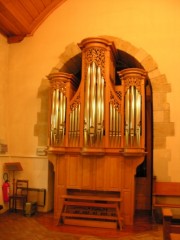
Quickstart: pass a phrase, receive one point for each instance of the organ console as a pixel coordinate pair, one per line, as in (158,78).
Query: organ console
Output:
(97,131)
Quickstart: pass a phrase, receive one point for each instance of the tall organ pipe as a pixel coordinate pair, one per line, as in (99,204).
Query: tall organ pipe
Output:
(58,117)
(64,110)
(86,110)
(93,97)
(133,116)
(132,107)
(53,114)
(78,120)
(127,109)
(94,105)
(138,117)
(117,122)
(110,119)
(99,86)
(57,109)
(61,110)
(102,104)
(64,115)
(70,128)
(53,110)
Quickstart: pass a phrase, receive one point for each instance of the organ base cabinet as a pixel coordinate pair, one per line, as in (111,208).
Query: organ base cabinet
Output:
(98,180)
(96,138)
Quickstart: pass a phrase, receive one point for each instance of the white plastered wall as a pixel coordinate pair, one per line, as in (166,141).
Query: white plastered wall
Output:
(150,25)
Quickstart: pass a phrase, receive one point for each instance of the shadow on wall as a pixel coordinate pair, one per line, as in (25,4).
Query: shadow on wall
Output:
(41,127)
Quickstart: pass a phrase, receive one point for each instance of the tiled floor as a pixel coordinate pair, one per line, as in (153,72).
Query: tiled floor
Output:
(15,226)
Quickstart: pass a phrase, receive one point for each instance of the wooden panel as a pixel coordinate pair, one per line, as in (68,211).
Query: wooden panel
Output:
(13,12)
(7,27)
(99,173)
(94,172)
(58,199)
(46,2)
(143,196)
(113,173)
(128,168)
(74,171)
(21,18)
(39,5)
(61,170)
(87,173)
(90,223)
(127,207)
(30,8)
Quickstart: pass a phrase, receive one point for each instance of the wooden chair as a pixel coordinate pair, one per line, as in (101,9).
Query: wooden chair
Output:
(171,225)
(20,195)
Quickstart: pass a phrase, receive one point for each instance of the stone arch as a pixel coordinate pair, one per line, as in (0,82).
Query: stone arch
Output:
(70,62)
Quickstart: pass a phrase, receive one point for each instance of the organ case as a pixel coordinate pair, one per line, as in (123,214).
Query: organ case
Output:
(97,128)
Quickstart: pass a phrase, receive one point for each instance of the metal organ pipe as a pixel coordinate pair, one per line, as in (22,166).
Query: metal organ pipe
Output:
(114,120)
(61,117)
(94,106)
(132,110)
(78,119)
(98,97)
(117,122)
(86,106)
(93,100)
(102,105)
(114,124)
(138,117)
(119,128)
(127,110)
(58,117)
(73,129)
(70,127)
(57,110)
(110,119)
(132,116)
(53,118)
(64,117)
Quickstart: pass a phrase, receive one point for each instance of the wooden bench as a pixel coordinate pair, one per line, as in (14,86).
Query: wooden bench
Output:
(91,210)
(171,225)
(165,195)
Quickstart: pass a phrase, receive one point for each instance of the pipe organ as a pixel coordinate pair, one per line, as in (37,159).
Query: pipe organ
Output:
(96,133)
(63,87)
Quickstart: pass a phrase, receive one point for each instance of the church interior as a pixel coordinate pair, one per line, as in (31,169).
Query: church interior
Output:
(89,133)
